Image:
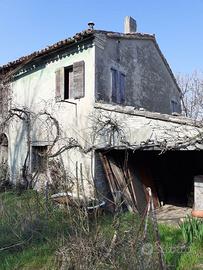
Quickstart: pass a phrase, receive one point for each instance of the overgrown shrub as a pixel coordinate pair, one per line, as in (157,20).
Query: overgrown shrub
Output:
(28,218)
(61,181)
(111,243)
(4,177)
(35,233)
(192,229)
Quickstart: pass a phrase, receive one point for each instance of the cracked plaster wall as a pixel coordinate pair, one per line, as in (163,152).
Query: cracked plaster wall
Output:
(148,82)
(139,130)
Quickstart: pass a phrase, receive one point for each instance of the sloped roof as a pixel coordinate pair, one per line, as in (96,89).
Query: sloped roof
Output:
(20,62)
(77,37)
(69,41)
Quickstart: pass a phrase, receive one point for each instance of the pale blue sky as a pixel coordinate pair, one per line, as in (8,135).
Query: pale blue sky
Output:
(29,25)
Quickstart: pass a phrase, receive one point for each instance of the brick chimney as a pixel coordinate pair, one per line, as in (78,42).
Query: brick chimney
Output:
(130,25)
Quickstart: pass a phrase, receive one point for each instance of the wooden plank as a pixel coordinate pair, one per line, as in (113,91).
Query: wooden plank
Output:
(122,163)
(109,174)
(138,188)
(118,181)
(79,79)
(122,184)
(59,88)
(131,179)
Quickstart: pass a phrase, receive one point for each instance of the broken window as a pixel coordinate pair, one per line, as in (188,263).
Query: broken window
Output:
(70,81)
(39,159)
(117,86)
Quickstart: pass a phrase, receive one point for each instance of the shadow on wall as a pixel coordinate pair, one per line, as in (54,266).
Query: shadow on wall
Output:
(19,127)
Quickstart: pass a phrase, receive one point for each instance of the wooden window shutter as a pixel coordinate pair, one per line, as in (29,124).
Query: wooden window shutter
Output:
(122,88)
(59,74)
(78,79)
(114,85)
(71,85)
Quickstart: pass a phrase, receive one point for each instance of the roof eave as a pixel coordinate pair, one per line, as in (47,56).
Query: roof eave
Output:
(49,49)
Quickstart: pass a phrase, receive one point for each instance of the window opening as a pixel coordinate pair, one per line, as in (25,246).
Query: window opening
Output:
(68,87)
(117,86)
(39,158)
(174,106)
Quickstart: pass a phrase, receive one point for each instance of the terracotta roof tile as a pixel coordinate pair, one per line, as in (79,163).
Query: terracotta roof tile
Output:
(77,37)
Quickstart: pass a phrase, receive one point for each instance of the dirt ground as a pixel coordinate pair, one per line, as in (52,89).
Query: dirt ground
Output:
(171,214)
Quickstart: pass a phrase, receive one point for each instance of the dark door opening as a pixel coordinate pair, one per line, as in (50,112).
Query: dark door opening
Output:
(170,175)
(173,173)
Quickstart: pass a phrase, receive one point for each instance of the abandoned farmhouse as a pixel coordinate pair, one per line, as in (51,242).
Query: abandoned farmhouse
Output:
(100,114)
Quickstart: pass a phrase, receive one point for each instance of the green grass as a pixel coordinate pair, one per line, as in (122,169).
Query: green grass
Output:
(192,229)
(33,257)
(32,227)
(36,229)
(178,253)
(172,242)
(191,258)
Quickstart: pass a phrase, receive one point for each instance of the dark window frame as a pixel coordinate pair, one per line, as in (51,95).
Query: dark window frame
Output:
(174,106)
(70,87)
(118,81)
(68,84)
(39,159)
